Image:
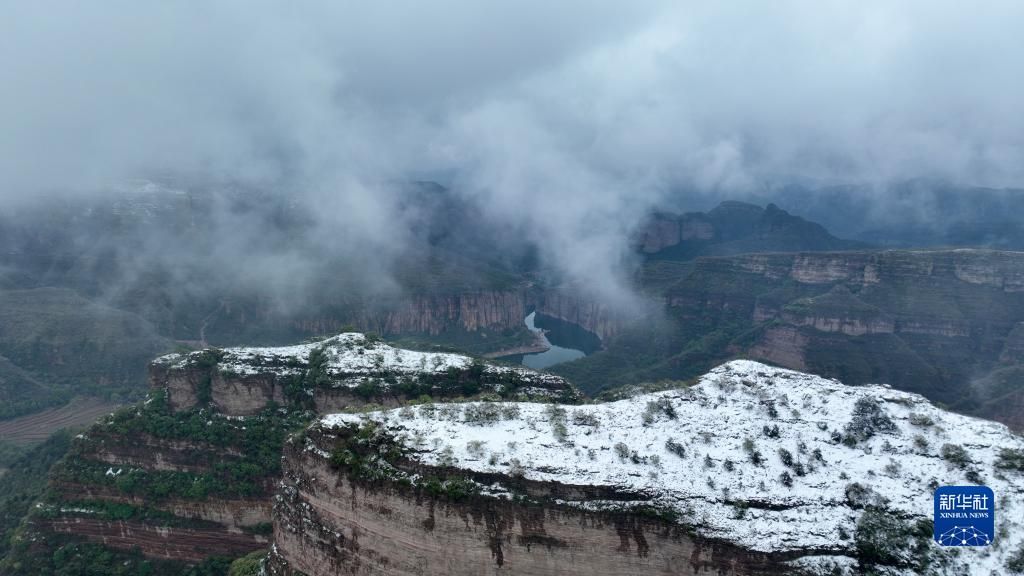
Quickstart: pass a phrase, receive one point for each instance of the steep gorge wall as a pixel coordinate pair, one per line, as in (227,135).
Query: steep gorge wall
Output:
(242,394)
(663,231)
(590,314)
(469,311)
(924,321)
(475,312)
(328,521)
(944,293)
(217,515)
(429,314)
(470,319)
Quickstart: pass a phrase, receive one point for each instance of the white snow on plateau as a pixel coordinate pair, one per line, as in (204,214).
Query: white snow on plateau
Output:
(713,428)
(350,356)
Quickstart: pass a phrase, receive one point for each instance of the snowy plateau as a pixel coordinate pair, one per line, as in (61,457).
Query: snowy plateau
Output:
(352,359)
(765,458)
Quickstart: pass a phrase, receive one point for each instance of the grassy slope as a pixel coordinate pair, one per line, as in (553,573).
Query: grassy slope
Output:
(63,345)
(21,392)
(24,484)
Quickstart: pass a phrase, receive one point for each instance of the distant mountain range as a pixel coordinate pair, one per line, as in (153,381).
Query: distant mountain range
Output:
(733,228)
(914,213)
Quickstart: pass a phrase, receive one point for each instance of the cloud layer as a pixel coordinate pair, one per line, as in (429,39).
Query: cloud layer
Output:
(564,121)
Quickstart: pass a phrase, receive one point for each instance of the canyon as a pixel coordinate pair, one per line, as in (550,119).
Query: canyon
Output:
(924,321)
(195,472)
(475,312)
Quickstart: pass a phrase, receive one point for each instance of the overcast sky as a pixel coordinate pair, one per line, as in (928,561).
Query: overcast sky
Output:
(571,117)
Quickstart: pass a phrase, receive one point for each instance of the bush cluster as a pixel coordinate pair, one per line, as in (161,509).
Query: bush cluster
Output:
(1010,459)
(674,447)
(868,420)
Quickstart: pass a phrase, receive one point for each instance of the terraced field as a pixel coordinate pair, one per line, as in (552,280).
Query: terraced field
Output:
(34,428)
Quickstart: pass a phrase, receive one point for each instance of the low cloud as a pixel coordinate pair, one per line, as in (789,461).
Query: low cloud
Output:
(563,123)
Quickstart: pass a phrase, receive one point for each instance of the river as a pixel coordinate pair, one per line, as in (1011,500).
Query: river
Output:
(556,354)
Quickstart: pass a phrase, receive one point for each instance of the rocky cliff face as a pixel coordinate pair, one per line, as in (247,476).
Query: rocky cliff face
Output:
(733,227)
(431,314)
(331,521)
(469,311)
(589,314)
(929,293)
(483,322)
(664,230)
(926,321)
(1001,270)
(754,470)
(187,545)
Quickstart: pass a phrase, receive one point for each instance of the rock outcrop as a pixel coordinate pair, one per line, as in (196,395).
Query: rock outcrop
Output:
(470,311)
(186,545)
(664,230)
(351,370)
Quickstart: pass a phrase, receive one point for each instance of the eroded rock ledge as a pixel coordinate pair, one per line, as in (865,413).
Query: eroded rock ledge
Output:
(329,520)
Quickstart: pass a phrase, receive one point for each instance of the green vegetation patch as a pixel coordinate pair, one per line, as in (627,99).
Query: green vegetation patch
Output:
(456,382)
(25,482)
(118,511)
(70,558)
(883,539)
(1011,459)
(76,344)
(248,565)
(366,452)
(257,440)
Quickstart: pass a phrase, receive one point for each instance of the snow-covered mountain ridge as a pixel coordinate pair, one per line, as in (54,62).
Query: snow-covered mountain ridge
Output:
(348,355)
(337,373)
(765,458)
